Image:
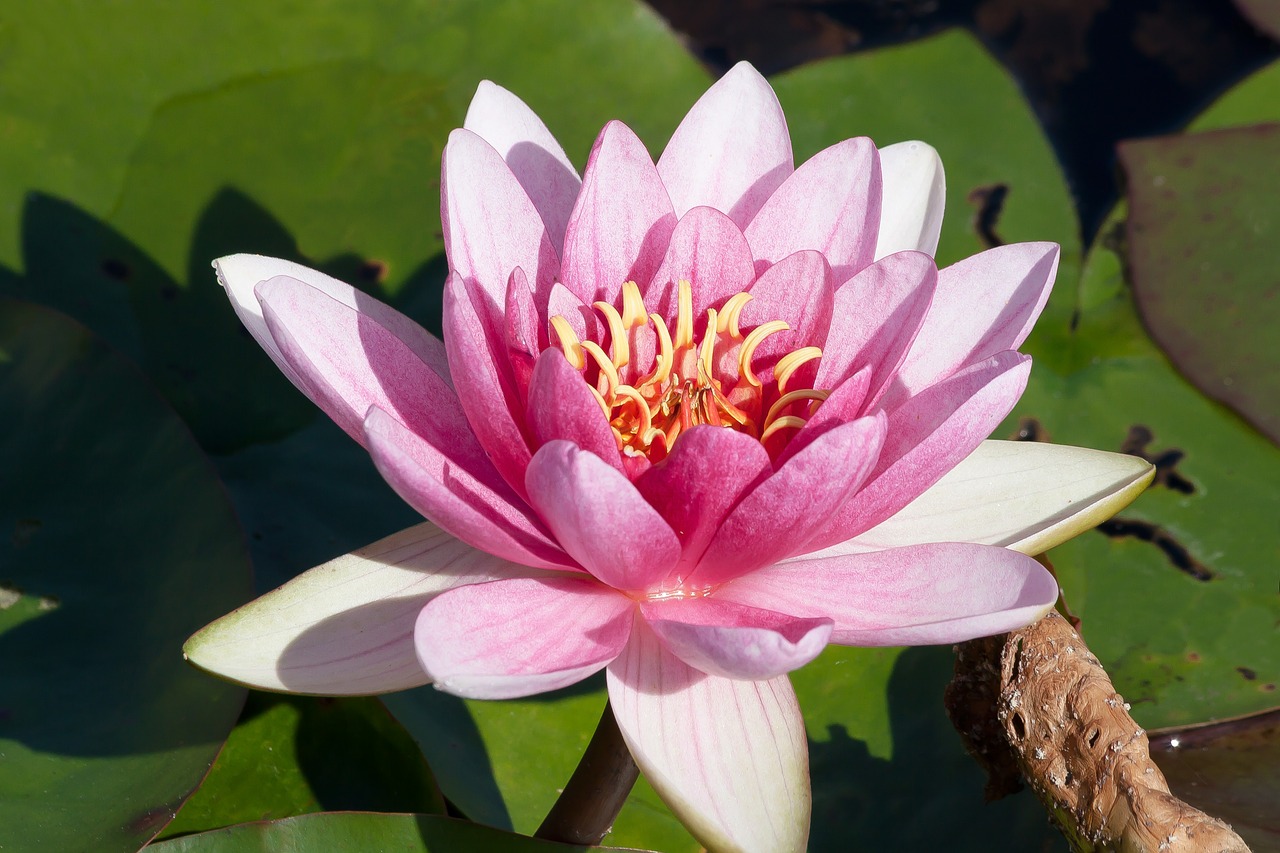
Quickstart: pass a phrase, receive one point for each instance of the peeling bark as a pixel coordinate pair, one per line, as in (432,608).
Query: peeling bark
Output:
(1036,704)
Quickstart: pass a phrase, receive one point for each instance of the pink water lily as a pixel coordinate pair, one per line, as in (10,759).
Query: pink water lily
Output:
(691,422)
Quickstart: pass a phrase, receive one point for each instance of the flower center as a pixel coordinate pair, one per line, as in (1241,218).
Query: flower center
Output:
(653,386)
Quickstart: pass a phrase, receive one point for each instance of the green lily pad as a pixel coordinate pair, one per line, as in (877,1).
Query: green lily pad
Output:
(1179,593)
(1204,225)
(294,755)
(118,542)
(356,832)
(1228,770)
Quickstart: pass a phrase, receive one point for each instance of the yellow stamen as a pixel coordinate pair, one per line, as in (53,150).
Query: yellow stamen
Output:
(633,311)
(748,349)
(617,334)
(643,415)
(665,356)
(569,342)
(791,362)
(791,397)
(729,315)
(707,352)
(788,422)
(684,316)
(608,372)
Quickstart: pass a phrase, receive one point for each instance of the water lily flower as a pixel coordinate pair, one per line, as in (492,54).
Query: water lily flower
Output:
(690,422)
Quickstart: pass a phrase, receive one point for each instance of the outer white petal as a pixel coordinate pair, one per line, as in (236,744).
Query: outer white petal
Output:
(1023,495)
(914,197)
(345,627)
(728,757)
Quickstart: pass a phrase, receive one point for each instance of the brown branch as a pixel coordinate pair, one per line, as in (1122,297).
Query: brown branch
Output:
(1036,704)
(590,802)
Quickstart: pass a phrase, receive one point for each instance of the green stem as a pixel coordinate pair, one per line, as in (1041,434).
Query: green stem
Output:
(590,802)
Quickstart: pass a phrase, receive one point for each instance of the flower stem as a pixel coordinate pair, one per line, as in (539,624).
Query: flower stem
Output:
(591,800)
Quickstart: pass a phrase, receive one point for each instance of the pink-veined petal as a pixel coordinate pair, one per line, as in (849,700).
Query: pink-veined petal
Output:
(240,274)
(731,151)
(919,595)
(982,305)
(729,757)
(914,198)
(599,518)
(561,406)
(346,362)
(830,204)
(490,225)
(799,291)
(733,640)
(876,317)
(345,627)
(622,223)
(532,153)
(518,637)
(927,437)
(846,403)
(707,250)
(695,487)
(484,382)
(777,518)
(485,513)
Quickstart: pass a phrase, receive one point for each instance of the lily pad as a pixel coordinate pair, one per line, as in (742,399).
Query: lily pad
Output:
(294,755)
(1179,592)
(118,542)
(1204,226)
(355,832)
(1228,769)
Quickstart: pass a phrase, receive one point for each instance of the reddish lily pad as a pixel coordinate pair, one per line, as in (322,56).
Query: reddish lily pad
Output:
(1228,769)
(117,542)
(1264,14)
(1204,247)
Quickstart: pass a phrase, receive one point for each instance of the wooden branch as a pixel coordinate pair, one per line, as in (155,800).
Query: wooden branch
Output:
(1037,705)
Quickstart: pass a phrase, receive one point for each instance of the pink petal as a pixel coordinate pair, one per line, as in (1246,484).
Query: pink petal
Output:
(240,274)
(532,153)
(876,317)
(561,406)
(695,487)
(345,627)
(346,362)
(521,332)
(707,250)
(486,387)
(983,305)
(915,196)
(482,511)
(919,595)
(622,223)
(927,437)
(735,641)
(797,290)
(731,151)
(521,636)
(831,204)
(599,517)
(780,515)
(490,225)
(729,757)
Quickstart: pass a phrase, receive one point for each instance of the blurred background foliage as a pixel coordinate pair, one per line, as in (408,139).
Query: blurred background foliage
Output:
(158,471)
